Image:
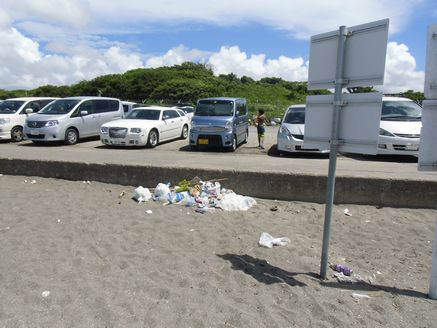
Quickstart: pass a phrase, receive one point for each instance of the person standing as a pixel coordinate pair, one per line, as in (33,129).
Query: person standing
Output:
(260,123)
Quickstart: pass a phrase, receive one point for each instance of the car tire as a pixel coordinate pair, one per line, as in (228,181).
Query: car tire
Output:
(152,139)
(184,133)
(71,136)
(17,134)
(246,137)
(233,147)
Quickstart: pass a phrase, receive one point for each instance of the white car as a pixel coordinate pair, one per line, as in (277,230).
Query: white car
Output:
(401,121)
(145,126)
(291,132)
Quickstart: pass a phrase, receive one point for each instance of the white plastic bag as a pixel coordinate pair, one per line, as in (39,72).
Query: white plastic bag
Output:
(142,194)
(266,240)
(162,193)
(233,202)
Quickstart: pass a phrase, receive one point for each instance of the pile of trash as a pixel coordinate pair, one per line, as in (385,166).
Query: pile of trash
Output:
(205,196)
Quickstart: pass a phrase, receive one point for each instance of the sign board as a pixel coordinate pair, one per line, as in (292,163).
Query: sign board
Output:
(364,61)
(358,127)
(430,89)
(428,137)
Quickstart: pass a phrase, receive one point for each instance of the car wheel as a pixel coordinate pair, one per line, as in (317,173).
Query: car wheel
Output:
(184,134)
(17,134)
(152,139)
(71,136)
(246,137)
(233,147)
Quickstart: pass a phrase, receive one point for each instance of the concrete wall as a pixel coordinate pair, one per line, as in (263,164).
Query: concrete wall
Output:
(293,187)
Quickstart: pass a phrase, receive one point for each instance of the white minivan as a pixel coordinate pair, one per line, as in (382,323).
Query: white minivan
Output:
(71,118)
(13,115)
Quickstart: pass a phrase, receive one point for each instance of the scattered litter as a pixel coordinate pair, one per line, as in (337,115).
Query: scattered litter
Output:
(141,194)
(87,182)
(367,221)
(204,196)
(341,268)
(45,293)
(359,296)
(378,272)
(33,181)
(1,175)
(346,212)
(192,230)
(274,208)
(5,229)
(266,240)
(59,221)
(25,181)
(149,212)
(122,194)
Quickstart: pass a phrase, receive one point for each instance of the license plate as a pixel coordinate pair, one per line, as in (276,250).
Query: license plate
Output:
(203,141)
(412,147)
(116,141)
(34,132)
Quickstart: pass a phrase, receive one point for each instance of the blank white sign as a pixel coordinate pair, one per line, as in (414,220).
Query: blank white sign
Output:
(428,137)
(364,61)
(358,127)
(430,89)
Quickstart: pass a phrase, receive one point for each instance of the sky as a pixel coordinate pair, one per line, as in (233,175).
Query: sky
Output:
(61,42)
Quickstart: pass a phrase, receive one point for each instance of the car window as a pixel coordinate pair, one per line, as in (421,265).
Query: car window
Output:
(295,115)
(35,106)
(59,107)
(215,108)
(181,112)
(400,111)
(144,114)
(10,106)
(105,105)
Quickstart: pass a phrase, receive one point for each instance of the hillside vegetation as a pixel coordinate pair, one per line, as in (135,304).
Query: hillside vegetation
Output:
(184,83)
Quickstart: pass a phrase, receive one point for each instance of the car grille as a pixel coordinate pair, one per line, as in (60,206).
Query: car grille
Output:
(36,136)
(298,136)
(36,124)
(117,132)
(300,148)
(408,135)
(211,129)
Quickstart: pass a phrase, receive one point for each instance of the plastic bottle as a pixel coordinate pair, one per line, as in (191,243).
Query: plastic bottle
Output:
(341,268)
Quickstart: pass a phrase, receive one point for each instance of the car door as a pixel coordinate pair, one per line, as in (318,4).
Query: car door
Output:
(173,123)
(240,121)
(87,124)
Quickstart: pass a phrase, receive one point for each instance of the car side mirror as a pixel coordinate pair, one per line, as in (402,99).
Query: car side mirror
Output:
(29,111)
(83,112)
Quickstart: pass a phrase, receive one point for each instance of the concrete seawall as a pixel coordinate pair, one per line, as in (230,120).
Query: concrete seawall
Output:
(270,185)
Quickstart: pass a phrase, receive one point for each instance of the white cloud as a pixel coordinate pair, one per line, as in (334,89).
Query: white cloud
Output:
(233,60)
(400,70)
(177,56)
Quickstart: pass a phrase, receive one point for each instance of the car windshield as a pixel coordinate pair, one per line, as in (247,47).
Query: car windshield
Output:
(295,115)
(215,108)
(144,114)
(401,111)
(10,106)
(59,107)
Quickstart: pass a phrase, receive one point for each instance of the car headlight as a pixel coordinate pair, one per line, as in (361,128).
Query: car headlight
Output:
(104,129)
(193,125)
(4,121)
(52,123)
(135,130)
(283,130)
(228,126)
(383,132)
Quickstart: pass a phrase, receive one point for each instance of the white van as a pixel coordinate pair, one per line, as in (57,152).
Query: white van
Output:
(13,115)
(129,105)
(71,118)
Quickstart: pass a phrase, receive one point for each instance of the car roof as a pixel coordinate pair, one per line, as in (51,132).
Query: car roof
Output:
(90,98)
(30,98)
(154,107)
(222,98)
(395,99)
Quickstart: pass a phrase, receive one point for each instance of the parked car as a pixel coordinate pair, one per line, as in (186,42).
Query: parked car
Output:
(145,126)
(71,118)
(128,106)
(13,115)
(219,122)
(399,132)
(188,110)
(291,132)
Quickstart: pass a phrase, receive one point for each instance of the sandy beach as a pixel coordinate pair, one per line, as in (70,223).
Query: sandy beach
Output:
(75,254)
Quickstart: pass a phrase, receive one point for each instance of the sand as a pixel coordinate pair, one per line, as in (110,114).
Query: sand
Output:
(74,254)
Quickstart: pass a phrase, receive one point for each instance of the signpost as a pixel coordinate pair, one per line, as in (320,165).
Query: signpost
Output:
(349,57)
(428,134)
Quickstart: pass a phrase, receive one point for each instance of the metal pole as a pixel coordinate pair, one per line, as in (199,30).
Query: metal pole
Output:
(339,83)
(433,281)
